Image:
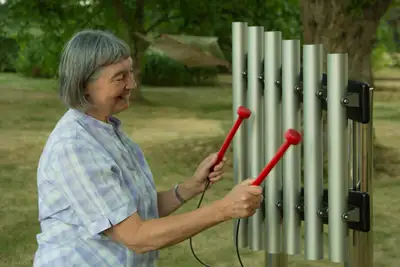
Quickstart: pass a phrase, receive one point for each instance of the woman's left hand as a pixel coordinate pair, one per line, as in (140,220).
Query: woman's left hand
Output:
(205,172)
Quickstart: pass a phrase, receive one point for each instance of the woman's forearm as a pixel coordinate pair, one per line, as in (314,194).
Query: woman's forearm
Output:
(168,202)
(160,233)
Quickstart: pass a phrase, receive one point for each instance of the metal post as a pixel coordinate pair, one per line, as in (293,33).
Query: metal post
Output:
(240,163)
(353,157)
(254,63)
(276,260)
(361,243)
(273,139)
(337,156)
(291,160)
(313,149)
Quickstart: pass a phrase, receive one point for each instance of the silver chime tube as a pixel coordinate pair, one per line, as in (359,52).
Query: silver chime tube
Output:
(337,156)
(240,162)
(313,151)
(292,158)
(273,136)
(255,138)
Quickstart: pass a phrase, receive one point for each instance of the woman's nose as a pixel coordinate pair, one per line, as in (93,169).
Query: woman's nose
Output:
(131,82)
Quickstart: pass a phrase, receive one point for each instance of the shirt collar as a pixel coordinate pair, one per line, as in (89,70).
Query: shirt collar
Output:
(114,124)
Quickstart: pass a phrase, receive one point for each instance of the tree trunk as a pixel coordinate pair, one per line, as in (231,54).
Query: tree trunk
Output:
(340,29)
(133,23)
(139,48)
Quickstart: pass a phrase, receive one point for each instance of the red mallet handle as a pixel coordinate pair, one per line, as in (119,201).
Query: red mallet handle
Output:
(292,137)
(243,113)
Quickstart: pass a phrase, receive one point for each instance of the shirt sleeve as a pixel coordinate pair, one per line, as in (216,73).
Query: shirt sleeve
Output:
(93,184)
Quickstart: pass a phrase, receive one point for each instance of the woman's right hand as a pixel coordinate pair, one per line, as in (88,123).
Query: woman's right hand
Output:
(243,200)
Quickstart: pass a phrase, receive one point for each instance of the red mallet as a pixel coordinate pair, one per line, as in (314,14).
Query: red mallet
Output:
(292,137)
(243,113)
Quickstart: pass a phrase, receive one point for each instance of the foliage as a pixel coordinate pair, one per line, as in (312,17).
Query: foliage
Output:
(385,36)
(53,22)
(160,70)
(382,55)
(36,60)
(384,51)
(282,16)
(381,58)
(58,20)
(8,54)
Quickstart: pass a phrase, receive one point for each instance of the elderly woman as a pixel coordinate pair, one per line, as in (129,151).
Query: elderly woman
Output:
(98,203)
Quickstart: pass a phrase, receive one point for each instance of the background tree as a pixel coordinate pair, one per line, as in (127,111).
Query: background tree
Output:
(47,24)
(345,26)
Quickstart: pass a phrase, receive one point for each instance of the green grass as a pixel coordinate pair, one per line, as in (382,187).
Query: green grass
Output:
(176,131)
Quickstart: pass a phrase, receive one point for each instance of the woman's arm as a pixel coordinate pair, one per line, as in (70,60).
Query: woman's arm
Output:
(168,202)
(144,236)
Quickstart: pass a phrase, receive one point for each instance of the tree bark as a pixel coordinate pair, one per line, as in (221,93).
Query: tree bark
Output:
(340,28)
(138,49)
(134,23)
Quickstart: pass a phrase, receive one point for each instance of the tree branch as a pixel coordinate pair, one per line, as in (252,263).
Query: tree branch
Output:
(139,14)
(119,10)
(161,20)
(97,9)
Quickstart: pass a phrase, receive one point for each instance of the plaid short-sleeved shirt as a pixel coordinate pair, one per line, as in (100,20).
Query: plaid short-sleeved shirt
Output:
(91,176)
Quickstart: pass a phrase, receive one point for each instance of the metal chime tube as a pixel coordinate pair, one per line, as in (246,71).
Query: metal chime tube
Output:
(255,138)
(313,151)
(337,156)
(291,160)
(273,136)
(240,163)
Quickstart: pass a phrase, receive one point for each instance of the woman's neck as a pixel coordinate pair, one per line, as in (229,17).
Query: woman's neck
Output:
(98,115)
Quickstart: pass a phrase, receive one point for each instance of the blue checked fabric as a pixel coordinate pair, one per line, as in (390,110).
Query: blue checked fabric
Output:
(90,177)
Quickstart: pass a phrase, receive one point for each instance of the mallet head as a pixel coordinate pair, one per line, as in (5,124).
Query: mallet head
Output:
(243,112)
(293,136)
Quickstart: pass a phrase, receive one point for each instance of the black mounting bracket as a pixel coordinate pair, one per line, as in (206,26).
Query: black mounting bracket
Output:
(357,215)
(357,101)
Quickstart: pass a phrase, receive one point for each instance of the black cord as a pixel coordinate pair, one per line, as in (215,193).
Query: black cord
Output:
(237,233)
(190,240)
(237,243)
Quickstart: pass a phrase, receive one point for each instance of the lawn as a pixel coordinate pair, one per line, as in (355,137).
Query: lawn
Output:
(176,131)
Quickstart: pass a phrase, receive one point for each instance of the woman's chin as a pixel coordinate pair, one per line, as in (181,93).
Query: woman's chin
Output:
(121,105)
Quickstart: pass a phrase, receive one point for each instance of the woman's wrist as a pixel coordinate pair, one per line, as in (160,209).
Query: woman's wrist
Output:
(187,190)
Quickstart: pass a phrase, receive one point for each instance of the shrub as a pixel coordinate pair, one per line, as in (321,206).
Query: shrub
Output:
(159,70)
(8,54)
(381,57)
(36,60)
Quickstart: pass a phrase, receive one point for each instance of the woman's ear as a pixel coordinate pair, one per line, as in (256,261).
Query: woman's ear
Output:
(86,93)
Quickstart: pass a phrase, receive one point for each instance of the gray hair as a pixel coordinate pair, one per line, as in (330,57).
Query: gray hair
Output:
(82,59)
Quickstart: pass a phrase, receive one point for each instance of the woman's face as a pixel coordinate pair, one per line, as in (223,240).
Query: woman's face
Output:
(110,92)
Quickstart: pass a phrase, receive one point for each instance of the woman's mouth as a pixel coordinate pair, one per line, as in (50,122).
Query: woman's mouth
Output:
(125,96)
